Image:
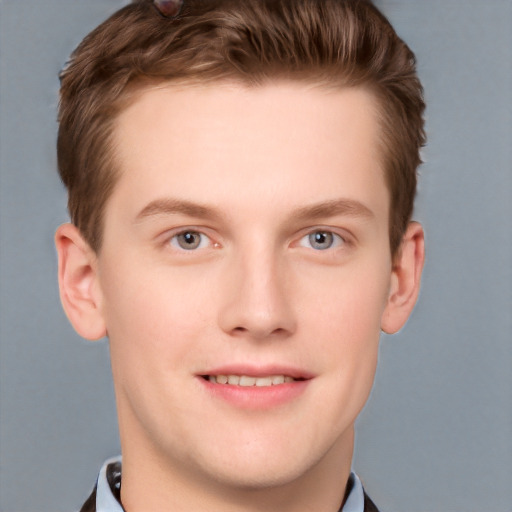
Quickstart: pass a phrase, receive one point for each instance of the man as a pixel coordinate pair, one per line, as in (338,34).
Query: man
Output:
(241,178)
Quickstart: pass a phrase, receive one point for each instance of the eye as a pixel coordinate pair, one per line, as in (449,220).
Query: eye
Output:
(190,240)
(321,240)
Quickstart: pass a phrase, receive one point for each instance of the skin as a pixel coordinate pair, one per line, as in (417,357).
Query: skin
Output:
(250,174)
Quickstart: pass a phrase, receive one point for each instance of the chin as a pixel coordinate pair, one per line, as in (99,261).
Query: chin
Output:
(268,465)
(256,477)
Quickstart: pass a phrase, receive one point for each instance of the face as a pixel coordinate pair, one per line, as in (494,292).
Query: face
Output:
(243,277)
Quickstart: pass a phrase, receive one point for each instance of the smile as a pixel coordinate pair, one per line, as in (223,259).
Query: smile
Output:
(248,381)
(255,389)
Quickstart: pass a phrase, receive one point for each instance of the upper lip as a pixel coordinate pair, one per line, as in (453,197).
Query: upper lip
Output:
(259,371)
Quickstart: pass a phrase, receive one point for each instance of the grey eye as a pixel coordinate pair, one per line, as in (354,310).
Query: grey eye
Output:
(188,240)
(321,240)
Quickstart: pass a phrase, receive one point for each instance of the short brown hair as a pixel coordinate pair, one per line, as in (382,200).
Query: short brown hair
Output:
(333,42)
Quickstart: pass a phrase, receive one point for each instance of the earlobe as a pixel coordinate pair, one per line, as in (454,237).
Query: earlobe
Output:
(405,279)
(79,289)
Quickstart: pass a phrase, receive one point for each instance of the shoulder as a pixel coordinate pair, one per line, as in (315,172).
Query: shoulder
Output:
(90,504)
(369,506)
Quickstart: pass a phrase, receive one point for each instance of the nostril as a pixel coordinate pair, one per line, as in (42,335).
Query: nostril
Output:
(259,333)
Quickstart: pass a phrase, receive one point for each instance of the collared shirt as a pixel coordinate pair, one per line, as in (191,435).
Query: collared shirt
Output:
(108,487)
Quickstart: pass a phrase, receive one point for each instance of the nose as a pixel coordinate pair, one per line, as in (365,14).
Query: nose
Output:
(256,299)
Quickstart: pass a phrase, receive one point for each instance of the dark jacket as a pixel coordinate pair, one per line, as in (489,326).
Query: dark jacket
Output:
(114,480)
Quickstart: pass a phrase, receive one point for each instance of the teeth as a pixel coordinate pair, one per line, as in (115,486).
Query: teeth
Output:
(247,381)
(265,381)
(233,380)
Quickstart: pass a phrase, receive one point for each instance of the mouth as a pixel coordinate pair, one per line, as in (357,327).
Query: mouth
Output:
(251,388)
(251,381)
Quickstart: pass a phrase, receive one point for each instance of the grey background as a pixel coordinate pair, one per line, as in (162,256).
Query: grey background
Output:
(437,432)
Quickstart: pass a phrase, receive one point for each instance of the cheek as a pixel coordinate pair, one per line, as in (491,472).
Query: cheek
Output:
(154,316)
(345,323)
(349,301)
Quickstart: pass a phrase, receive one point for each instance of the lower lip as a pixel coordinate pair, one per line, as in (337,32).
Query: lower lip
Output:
(256,397)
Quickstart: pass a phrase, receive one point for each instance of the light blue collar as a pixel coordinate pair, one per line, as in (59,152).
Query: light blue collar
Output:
(105,499)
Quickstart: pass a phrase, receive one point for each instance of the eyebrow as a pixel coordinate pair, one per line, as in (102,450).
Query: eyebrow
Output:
(332,208)
(170,206)
(324,209)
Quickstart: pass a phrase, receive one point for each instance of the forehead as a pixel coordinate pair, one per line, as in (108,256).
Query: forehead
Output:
(223,142)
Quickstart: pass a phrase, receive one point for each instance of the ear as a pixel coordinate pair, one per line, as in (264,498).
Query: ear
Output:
(405,279)
(78,284)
